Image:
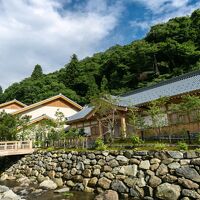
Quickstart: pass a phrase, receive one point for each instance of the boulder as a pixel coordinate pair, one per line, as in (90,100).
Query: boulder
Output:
(3,189)
(92,182)
(154,181)
(108,195)
(190,193)
(104,183)
(168,191)
(10,195)
(122,159)
(48,184)
(176,154)
(188,183)
(145,164)
(119,186)
(162,170)
(129,170)
(189,173)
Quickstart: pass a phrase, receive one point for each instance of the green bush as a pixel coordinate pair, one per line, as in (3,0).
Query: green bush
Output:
(182,146)
(136,140)
(160,146)
(99,144)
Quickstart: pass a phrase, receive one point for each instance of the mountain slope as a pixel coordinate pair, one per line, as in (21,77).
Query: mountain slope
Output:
(168,50)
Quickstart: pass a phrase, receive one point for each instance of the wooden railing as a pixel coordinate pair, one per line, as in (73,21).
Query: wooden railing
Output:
(15,148)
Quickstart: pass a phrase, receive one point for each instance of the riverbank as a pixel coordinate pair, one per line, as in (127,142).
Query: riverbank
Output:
(133,174)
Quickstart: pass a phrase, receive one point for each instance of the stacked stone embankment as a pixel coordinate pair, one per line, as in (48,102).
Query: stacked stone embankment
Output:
(169,175)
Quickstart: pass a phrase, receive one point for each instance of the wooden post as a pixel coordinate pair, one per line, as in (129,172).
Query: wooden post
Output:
(100,129)
(123,125)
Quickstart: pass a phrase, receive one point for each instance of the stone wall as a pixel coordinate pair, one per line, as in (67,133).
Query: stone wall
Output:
(143,175)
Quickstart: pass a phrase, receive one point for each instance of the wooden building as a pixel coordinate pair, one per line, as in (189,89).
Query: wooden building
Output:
(174,89)
(11,106)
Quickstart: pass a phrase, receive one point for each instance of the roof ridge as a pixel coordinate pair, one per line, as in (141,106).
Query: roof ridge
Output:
(171,80)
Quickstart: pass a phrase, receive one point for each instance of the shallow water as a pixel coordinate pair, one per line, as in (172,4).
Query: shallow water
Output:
(50,195)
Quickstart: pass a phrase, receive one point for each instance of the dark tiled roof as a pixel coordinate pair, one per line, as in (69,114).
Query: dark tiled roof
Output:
(81,114)
(175,86)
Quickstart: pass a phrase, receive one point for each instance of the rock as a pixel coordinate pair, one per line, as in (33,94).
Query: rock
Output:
(129,170)
(189,173)
(4,177)
(155,161)
(3,189)
(170,178)
(174,165)
(86,161)
(62,190)
(10,195)
(107,168)
(154,166)
(175,154)
(87,173)
(168,191)
(119,186)
(190,154)
(104,183)
(80,166)
(108,195)
(137,193)
(88,189)
(131,182)
(184,162)
(91,156)
(154,181)
(195,161)
(79,187)
(162,170)
(58,182)
(134,161)
(48,184)
(96,172)
(113,163)
(122,159)
(70,183)
(190,193)
(93,181)
(144,164)
(188,183)
(109,175)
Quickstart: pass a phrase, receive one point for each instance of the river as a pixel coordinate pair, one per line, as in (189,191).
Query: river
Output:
(46,195)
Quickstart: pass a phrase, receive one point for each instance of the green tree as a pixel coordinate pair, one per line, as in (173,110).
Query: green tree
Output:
(157,112)
(37,72)
(71,72)
(8,127)
(106,113)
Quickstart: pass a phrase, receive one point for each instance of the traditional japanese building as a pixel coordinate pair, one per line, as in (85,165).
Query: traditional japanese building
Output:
(12,106)
(174,89)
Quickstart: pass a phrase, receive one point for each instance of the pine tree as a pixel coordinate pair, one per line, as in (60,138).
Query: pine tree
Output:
(37,72)
(71,71)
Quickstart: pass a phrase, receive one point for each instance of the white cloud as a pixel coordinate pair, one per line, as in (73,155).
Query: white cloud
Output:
(43,32)
(163,10)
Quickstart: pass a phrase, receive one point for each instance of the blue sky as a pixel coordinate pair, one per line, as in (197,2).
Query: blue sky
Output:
(48,32)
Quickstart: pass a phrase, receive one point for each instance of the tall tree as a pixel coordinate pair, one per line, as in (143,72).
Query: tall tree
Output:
(37,72)
(71,72)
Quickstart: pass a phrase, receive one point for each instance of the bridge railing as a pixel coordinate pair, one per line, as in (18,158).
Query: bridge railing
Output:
(15,145)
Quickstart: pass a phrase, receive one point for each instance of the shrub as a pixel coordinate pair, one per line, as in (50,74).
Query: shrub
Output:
(182,146)
(160,146)
(99,144)
(136,140)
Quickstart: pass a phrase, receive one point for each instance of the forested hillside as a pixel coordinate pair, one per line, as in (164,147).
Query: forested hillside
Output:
(168,50)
